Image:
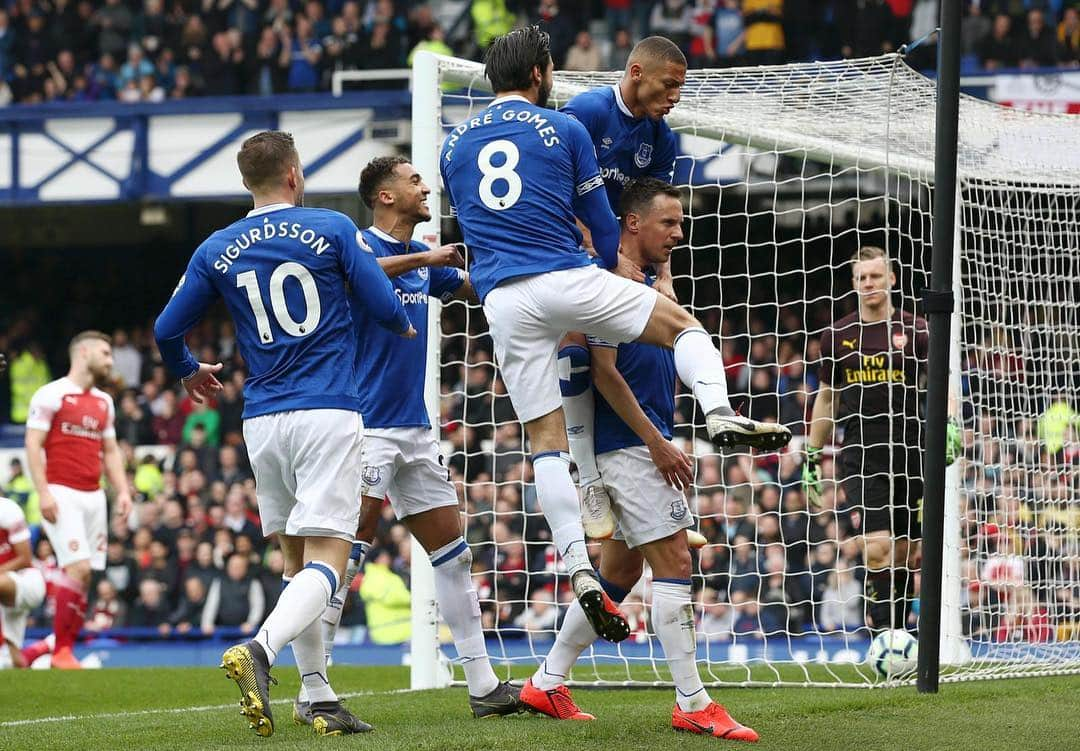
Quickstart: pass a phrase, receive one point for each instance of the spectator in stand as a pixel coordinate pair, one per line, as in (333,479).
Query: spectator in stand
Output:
(382,48)
(583,54)
(673,19)
(133,424)
(131,71)
(974,27)
(205,418)
(1037,46)
(121,571)
(151,609)
(550,18)
(490,18)
(223,68)
(302,53)
(235,598)
(127,360)
(998,50)
(728,35)
(702,48)
(1068,37)
(621,47)
(841,602)
(7,45)
(109,611)
(763,38)
(114,21)
(188,613)
(865,27)
(386,600)
(617,13)
(435,41)
(267,74)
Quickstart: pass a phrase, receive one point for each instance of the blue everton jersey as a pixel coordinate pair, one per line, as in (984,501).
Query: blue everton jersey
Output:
(285,274)
(626,146)
(515,173)
(392,369)
(649,371)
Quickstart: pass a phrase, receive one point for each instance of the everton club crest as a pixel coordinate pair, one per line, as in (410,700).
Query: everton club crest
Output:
(643,157)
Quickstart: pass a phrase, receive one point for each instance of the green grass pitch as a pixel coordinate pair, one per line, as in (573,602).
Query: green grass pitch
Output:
(195,708)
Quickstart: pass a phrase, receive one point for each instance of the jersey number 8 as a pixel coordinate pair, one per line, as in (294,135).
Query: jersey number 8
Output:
(504,172)
(250,283)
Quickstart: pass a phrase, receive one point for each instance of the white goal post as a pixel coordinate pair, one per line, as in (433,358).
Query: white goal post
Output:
(786,170)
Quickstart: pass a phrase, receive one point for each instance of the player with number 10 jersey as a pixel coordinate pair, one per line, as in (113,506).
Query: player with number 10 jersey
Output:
(286,274)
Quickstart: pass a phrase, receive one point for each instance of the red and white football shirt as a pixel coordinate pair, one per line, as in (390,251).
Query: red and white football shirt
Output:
(77,422)
(13,529)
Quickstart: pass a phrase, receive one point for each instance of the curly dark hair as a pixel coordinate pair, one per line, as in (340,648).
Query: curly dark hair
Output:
(375,174)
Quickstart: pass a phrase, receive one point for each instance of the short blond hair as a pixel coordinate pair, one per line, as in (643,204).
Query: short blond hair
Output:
(85,336)
(869,253)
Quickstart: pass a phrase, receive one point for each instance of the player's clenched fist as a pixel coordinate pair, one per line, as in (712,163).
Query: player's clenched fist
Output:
(447,255)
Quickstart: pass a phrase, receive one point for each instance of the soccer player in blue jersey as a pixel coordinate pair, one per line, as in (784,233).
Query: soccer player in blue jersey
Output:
(626,124)
(286,273)
(401,456)
(645,473)
(518,175)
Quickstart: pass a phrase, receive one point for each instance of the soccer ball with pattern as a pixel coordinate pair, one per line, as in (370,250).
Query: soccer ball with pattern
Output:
(893,653)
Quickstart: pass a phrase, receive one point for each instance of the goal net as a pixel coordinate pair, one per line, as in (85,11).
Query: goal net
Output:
(786,171)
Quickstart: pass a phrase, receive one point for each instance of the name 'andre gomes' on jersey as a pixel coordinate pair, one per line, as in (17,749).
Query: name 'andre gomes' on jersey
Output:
(544,129)
(268,231)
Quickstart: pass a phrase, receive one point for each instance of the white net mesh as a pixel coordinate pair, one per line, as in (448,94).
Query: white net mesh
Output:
(787,171)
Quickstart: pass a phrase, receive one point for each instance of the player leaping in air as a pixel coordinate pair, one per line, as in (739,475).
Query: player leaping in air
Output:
(401,455)
(286,273)
(645,474)
(625,122)
(518,174)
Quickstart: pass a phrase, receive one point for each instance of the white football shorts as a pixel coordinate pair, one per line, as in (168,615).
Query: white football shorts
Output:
(646,508)
(528,317)
(405,464)
(29,594)
(81,531)
(307,470)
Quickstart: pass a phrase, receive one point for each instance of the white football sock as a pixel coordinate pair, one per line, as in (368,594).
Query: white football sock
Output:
(673,621)
(579,406)
(574,636)
(307,648)
(331,617)
(701,368)
(301,603)
(460,608)
(559,501)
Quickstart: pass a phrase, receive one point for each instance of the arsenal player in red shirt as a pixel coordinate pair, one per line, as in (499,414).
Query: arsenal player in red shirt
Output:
(69,435)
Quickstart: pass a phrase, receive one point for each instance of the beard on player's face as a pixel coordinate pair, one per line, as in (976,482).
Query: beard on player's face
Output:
(546,83)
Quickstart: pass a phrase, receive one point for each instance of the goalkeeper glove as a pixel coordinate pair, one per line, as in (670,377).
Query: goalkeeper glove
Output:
(811,476)
(954,441)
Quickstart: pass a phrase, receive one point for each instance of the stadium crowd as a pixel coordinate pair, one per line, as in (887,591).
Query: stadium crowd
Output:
(192,556)
(154,50)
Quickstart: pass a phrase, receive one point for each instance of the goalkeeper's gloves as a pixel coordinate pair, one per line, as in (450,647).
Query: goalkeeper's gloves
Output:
(954,441)
(811,476)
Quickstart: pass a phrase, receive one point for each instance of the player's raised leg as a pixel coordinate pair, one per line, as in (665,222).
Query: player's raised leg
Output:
(701,368)
(579,407)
